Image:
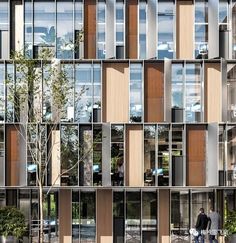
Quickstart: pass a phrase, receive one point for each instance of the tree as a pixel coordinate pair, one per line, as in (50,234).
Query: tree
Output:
(36,123)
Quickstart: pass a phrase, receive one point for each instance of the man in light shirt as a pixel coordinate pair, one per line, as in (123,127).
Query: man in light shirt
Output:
(214,222)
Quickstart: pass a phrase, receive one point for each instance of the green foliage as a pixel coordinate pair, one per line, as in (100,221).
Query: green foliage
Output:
(12,222)
(230,223)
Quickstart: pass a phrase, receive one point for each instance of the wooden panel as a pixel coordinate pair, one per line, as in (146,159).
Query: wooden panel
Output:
(13,156)
(104,216)
(134,155)
(65,213)
(56,157)
(184,30)
(90,29)
(132,29)
(115,92)
(164,216)
(154,92)
(213,92)
(196,155)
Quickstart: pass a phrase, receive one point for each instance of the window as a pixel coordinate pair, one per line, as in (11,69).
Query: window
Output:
(101,26)
(69,155)
(142,28)
(136,92)
(117,155)
(120,8)
(87,217)
(65,30)
(165,21)
(163,155)
(133,216)
(180,224)
(2,92)
(187,92)
(201,28)
(149,216)
(2,156)
(149,155)
(28,31)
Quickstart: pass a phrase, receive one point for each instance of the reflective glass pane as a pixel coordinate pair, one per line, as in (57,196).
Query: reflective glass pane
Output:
(44,23)
(65,29)
(136,86)
(133,217)
(4,15)
(177,79)
(165,17)
(28,28)
(142,29)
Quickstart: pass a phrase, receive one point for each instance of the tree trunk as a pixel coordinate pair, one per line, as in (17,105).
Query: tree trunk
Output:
(41,212)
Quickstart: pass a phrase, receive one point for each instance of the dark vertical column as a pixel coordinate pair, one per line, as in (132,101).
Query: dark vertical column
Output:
(90,29)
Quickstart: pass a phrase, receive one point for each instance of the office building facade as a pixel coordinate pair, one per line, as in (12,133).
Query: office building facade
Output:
(158,110)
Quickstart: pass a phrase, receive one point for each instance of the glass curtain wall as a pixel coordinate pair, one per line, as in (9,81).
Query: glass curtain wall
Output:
(117,155)
(166,29)
(136,92)
(201,29)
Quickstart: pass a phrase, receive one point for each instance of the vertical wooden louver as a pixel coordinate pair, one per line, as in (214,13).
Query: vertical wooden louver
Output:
(90,29)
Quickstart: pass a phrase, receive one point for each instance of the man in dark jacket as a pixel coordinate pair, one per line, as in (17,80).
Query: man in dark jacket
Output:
(201,225)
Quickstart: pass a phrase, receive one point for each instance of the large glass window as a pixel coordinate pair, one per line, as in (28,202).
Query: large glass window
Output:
(65,29)
(186,92)
(223,14)
(97,155)
(4,15)
(136,92)
(149,155)
(133,217)
(69,155)
(120,7)
(142,29)
(163,155)
(88,92)
(201,28)
(2,92)
(165,20)
(231,93)
(87,217)
(101,26)
(193,93)
(180,224)
(117,155)
(85,156)
(75,216)
(149,216)
(28,11)
(177,155)
(222,139)
(44,24)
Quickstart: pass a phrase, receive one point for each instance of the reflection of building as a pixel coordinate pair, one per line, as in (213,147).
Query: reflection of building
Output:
(160,120)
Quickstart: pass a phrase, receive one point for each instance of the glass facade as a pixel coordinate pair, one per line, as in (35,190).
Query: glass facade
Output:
(101,32)
(142,29)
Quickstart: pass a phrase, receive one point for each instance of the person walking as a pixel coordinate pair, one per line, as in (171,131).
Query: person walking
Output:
(214,221)
(201,226)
